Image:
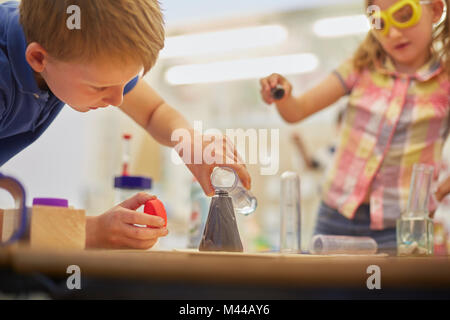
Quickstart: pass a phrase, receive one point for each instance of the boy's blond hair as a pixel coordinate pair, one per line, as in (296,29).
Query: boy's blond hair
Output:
(118,30)
(370,50)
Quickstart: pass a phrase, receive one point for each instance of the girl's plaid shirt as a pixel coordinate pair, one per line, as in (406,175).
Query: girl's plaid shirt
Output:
(392,121)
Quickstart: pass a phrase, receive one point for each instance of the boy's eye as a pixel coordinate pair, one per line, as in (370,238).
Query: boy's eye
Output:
(98,88)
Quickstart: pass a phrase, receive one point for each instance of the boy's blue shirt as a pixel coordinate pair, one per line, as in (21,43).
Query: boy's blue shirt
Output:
(25,110)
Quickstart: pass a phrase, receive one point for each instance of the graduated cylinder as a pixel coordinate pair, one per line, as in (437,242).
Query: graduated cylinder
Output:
(290,221)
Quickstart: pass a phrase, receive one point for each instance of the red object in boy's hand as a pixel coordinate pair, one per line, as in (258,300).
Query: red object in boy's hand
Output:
(156,208)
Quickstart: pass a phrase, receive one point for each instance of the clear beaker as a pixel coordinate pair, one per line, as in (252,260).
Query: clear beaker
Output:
(415,228)
(290,222)
(225,179)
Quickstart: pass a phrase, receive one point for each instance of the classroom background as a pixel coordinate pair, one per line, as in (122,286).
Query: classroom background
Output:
(79,155)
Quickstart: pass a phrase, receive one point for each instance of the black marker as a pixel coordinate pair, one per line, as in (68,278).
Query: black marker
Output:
(277,92)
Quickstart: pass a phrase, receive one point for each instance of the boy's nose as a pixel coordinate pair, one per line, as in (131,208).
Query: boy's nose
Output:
(115,96)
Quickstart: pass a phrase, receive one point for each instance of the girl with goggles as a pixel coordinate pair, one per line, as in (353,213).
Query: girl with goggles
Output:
(403,14)
(397,114)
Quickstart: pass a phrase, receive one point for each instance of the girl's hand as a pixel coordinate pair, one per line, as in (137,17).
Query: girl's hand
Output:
(270,82)
(115,229)
(443,189)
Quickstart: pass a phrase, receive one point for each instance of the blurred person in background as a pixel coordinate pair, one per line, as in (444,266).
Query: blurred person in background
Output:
(397,115)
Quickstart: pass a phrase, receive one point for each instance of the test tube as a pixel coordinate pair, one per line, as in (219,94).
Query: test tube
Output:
(415,228)
(330,244)
(225,179)
(126,154)
(290,222)
(419,192)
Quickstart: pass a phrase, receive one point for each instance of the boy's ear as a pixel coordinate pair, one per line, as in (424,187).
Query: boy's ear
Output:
(438,10)
(36,56)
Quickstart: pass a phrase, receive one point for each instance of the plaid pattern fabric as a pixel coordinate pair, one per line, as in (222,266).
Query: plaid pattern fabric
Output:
(392,121)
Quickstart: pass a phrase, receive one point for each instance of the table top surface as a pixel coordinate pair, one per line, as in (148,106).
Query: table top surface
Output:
(298,270)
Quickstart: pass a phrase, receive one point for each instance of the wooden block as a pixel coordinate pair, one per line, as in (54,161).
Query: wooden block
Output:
(54,227)
(50,227)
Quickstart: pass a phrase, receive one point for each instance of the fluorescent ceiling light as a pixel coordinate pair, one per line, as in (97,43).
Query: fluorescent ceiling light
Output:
(341,26)
(241,69)
(223,41)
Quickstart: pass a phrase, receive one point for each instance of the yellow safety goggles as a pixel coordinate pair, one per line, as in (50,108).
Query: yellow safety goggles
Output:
(402,14)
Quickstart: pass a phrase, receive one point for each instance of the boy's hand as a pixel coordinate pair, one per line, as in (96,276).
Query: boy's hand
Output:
(160,120)
(270,82)
(115,228)
(225,154)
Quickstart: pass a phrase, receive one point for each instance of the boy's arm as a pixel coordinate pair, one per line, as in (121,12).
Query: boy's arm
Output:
(294,109)
(150,111)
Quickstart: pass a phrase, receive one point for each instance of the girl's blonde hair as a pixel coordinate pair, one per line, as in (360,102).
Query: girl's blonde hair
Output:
(118,30)
(370,50)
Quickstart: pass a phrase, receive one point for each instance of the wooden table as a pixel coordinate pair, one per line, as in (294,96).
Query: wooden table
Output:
(248,276)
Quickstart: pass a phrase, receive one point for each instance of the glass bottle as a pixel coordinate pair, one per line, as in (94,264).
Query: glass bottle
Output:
(226,180)
(415,228)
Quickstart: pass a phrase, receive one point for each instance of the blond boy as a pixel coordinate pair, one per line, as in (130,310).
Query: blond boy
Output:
(45,64)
